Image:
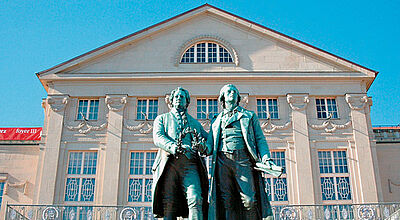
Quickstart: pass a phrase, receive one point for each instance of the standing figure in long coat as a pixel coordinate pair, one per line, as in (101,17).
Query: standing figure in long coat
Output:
(180,183)
(237,143)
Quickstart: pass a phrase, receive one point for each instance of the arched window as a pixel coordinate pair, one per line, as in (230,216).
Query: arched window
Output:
(206,52)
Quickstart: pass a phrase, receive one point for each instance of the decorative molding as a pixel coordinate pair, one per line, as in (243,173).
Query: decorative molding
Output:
(127,213)
(116,102)
(213,38)
(144,127)
(57,103)
(16,185)
(297,102)
(273,127)
(330,127)
(365,212)
(84,127)
(358,101)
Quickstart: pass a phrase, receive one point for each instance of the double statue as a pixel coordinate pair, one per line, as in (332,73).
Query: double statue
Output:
(239,153)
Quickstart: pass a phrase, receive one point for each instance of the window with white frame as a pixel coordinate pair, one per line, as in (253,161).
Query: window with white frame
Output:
(207,108)
(276,188)
(206,52)
(140,182)
(81,176)
(2,184)
(140,176)
(88,109)
(335,177)
(326,107)
(267,106)
(147,109)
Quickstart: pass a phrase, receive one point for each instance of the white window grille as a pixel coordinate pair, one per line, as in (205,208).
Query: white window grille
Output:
(188,57)
(335,177)
(276,188)
(81,176)
(140,177)
(206,52)
(267,106)
(2,184)
(88,109)
(147,109)
(201,52)
(326,107)
(207,108)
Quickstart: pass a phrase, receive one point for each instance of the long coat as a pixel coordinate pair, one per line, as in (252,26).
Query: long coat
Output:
(165,134)
(256,146)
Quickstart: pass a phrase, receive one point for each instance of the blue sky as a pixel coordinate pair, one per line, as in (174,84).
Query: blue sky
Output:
(36,35)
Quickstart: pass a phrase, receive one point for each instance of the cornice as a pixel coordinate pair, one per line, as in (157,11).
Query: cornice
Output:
(207,75)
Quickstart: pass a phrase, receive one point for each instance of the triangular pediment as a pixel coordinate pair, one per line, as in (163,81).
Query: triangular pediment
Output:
(157,49)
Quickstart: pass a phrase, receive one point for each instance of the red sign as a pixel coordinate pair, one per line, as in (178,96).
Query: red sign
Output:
(20,134)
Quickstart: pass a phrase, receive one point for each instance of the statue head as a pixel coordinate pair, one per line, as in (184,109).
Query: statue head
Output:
(229,93)
(179,98)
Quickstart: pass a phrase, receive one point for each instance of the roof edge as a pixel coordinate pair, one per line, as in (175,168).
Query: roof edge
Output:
(121,39)
(297,40)
(194,9)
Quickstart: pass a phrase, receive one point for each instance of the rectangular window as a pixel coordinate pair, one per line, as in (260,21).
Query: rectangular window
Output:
(335,177)
(147,109)
(276,188)
(326,107)
(267,107)
(88,109)
(81,176)
(206,108)
(140,177)
(2,184)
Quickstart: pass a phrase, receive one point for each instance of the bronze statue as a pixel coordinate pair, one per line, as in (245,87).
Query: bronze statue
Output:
(180,183)
(238,148)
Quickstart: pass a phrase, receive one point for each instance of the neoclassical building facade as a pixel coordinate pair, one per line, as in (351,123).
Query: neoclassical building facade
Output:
(97,148)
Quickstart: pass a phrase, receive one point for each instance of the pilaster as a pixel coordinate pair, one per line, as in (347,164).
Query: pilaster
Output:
(303,161)
(112,152)
(363,152)
(50,148)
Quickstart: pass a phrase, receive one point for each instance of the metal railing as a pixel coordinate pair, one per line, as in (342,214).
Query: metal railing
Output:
(75,212)
(379,211)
